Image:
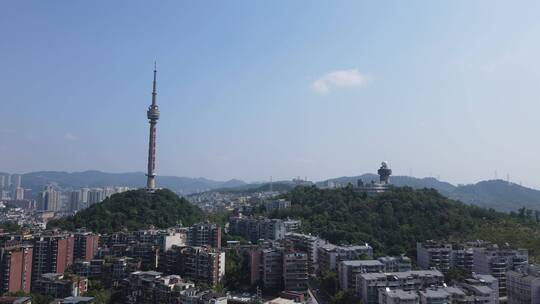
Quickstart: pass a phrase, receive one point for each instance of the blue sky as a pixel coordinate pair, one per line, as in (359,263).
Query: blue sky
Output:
(253,89)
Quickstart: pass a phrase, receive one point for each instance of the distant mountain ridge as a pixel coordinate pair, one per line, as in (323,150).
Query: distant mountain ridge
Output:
(497,194)
(92,178)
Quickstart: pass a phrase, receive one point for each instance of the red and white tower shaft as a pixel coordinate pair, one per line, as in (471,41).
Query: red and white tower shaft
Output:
(153,116)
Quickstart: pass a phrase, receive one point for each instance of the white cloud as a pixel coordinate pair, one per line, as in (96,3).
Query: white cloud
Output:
(339,79)
(71,137)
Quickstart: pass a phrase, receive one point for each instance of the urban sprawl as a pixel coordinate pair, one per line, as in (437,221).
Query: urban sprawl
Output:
(187,264)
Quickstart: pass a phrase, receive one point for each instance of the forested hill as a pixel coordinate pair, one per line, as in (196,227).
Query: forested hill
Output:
(497,194)
(394,221)
(133,210)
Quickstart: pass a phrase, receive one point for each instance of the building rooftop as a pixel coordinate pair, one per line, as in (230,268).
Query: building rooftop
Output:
(394,258)
(484,290)
(402,275)
(401,294)
(331,247)
(52,276)
(454,291)
(434,293)
(304,236)
(357,263)
(481,278)
(77,300)
(280,301)
(150,272)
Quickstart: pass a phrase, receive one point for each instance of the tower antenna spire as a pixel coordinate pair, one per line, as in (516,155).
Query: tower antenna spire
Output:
(154,92)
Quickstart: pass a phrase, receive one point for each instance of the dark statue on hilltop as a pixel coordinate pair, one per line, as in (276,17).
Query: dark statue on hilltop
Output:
(373,187)
(384,173)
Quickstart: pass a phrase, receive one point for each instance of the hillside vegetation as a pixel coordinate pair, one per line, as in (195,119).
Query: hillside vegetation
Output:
(133,210)
(497,194)
(394,221)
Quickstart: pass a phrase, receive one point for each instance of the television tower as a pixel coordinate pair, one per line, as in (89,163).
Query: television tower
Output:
(153,116)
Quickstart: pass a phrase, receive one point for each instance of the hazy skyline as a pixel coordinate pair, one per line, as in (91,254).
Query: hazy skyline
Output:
(251,90)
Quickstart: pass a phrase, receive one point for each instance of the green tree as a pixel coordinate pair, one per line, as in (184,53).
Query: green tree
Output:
(457,274)
(36,297)
(10,226)
(236,271)
(345,297)
(96,290)
(329,282)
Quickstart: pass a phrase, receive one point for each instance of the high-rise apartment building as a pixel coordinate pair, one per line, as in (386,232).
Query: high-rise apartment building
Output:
(309,244)
(496,262)
(459,294)
(74,200)
(272,268)
(7,182)
(431,254)
(295,271)
(277,204)
(398,296)
(200,264)
(202,234)
(58,285)
(348,271)
(86,245)
(369,284)
(254,229)
(52,254)
(18,193)
(108,191)
(28,195)
(463,257)
(95,196)
(523,286)
(84,196)
(329,255)
(292,225)
(50,199)
(271,229)
(15,268)
(17,181)
(396,263)
(142,287)
(147,253)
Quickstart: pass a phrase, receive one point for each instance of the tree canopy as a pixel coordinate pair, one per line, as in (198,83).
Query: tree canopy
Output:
(392,222)
(133,210)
